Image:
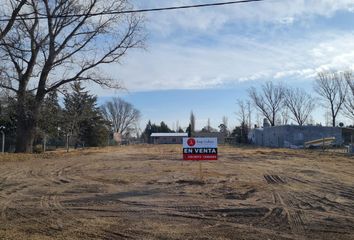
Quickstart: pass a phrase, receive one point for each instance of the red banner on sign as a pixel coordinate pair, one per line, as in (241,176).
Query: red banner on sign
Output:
(200,157)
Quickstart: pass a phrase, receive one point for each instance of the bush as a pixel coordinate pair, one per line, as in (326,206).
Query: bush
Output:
(38,148)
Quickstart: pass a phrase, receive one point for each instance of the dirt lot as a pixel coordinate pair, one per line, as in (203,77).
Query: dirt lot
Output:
(147,192)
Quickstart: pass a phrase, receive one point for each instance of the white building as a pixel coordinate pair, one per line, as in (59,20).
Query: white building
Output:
(167,138)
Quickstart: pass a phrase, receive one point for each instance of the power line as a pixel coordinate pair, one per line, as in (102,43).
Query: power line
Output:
(139,10)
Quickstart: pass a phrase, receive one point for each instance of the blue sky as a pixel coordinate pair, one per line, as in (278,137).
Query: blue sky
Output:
(205,59)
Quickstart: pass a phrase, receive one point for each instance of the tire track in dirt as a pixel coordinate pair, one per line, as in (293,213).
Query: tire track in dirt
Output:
(63,218)
(73,216)
(3,181)
(275,213)
(283,202)
(11,195)
(61,174)
(324,195)
(56,175)
(295,217)
(52,204)
(9,190)
(326,215)
(274,179)
(216,216)
(109,234)
(62,200)
(277,216)
(52,201)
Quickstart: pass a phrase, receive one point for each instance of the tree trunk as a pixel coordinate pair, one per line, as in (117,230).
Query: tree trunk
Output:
(272,123)
(27,120)
(25,135)
(333,115)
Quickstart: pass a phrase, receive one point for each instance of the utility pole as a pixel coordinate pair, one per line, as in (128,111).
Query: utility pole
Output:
(2,128)
(44,142)
(67,142)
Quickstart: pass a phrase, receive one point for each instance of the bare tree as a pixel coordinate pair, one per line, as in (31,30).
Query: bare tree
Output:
(284,120)
(269,101)
(242,112)
(59,42)
(258,119)
(122,115)
(331,87)
(299,103)
(349,101)
(224,126)
(243,115)
(225,121)
(350,80)
(328,118)
(249,108)
(14,8)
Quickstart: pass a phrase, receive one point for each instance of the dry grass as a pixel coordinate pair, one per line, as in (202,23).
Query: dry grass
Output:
(147,192)
(58,153)
(174,149)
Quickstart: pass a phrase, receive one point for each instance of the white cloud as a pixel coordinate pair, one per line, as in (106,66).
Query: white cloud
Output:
(171,66)
(334,52)
(179,61)
(287,20)
(214,18)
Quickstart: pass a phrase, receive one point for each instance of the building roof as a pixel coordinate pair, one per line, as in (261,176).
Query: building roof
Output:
(301,127)
(169,134)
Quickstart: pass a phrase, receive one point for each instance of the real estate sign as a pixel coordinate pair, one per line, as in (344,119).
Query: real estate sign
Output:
(200,149)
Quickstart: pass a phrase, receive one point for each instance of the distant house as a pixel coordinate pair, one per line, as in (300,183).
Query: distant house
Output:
(293,135)
(167,138)
(348,135)
(220,136)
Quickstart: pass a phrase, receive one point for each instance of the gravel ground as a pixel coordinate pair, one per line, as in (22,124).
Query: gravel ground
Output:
(147,192)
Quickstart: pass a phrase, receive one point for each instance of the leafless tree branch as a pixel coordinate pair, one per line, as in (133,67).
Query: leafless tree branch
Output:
(121,114)
(16,8)
(299,103)
(349,101)
(331,87)
(49,53)
(269,101)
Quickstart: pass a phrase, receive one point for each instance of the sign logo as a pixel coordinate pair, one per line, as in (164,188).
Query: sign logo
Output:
(191,142)
(200,149)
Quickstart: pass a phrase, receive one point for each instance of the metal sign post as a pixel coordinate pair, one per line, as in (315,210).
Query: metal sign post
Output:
(200,171)
(2,128)
(200,149)
(3,141)
(67,142)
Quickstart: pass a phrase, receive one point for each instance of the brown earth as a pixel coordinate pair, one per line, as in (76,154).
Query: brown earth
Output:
(147,192)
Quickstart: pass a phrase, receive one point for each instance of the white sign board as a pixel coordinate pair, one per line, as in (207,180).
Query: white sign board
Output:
(200,149)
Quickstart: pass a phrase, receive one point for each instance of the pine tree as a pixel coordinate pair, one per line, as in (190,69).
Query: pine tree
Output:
(49,120)
(8,120)
(164,128)
(145,136)
(83,119)
(153,128)
(192,122)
